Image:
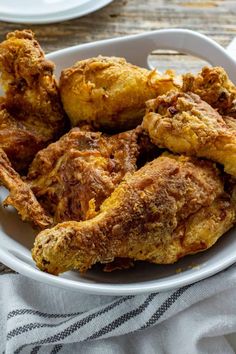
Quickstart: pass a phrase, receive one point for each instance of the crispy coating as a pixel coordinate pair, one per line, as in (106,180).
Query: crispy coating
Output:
(88,184)
(31,113)
(183,123)
(110,93)
(73,176)
(21,196)
(171,207)
(214,87)
(230,122)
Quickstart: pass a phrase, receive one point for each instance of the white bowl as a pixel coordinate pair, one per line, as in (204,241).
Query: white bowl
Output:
(17,238)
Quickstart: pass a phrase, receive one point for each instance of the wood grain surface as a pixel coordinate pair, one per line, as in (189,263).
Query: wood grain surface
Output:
(217,19)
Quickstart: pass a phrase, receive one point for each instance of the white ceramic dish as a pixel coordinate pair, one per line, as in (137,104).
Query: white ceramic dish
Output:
(16,238)
(47,11)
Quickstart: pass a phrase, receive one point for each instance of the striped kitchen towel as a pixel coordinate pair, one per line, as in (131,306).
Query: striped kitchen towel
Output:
(36,318)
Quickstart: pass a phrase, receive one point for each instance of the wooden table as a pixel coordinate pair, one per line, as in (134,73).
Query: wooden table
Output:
(213,18)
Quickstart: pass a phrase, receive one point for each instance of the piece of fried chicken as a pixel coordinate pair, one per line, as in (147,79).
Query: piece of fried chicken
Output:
(214,87)
(110,93)
(73,176)
(183,123)
(21,196)
(171,207)
(31,113)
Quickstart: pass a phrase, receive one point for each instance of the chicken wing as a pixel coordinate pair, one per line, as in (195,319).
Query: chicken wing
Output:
(110,93)
(214,87)
(171,207)
(31,114)
(183,123)
(73,176)
(21,196)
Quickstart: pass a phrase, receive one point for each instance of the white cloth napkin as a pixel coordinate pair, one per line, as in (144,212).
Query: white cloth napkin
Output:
(36,318)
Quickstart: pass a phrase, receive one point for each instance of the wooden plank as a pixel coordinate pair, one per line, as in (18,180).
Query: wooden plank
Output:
(180,63)
(134,16)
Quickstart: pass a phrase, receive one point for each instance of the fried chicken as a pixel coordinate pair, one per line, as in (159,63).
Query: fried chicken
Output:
(171,207)
(183,123)
(230,122)
(31,113)
(73,176)
(110,93)
(87,190)
(21,196)
(214,87)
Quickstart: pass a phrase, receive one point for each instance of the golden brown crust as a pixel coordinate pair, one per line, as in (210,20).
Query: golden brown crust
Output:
(21,196)
(31,113)
(72,177)
(110,93)
(214,87)
(183,123)
(231,123)
(19,142)
(152,216)
(170,207)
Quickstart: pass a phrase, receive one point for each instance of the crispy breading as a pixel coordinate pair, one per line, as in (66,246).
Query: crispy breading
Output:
(21,196)
(31,113)
(171,207)
(97,197)
(183,123)
(214,87)
(230,122)
(110,93)
(73,176)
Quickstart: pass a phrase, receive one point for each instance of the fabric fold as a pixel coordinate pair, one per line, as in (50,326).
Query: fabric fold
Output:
(44,319)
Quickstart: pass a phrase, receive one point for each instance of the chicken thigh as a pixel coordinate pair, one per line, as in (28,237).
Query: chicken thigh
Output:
(110,93)
(71,178)
(183,123)
(31,114)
